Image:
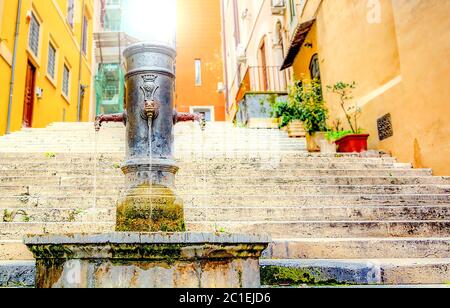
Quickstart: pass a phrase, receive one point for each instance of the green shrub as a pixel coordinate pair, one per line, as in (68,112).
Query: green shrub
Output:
(307,99)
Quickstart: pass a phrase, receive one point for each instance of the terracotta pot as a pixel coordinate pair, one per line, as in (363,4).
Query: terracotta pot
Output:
(353,143)
(327,147)
(313,141)
(296,129)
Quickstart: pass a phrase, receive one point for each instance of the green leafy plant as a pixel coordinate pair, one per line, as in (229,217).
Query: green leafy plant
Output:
(50,155)
(285,111)
(307,97)
(336,135)
(352,111)
(116,166)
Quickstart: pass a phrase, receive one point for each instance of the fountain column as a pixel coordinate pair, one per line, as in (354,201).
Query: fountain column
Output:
(150,203)
(152,248)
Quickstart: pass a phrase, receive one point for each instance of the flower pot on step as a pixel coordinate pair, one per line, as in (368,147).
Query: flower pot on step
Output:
(296,129)
(327,147)
(313,141)
(353,143)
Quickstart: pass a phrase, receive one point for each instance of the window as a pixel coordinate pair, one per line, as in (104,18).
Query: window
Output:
(292,9)
(314,67)
(66,80)
(51,65)
(198,72)
(35,29)
(70,12)
(84,35)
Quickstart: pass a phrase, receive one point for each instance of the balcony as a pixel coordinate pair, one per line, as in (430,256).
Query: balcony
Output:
(263,79)
(255,89)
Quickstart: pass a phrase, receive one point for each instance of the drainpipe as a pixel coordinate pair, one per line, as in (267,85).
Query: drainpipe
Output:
(13,68)
(225,60)
(80,64)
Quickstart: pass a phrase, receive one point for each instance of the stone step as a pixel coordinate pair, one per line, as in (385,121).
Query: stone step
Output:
(17,274)
(21,274)
(282,175)
(291,184)
(274,161)
(194,185)
(211,214)
(369,272)
(331,229)
(258,156)
(274,201)
(313,248)
(14,250)
(358,248)
(285,229)
(232,189)
(206,170)
(200,179)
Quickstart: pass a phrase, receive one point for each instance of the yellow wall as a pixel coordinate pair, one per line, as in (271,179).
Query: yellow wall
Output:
(303,59)
(54,28)
(423,119)
(400,66)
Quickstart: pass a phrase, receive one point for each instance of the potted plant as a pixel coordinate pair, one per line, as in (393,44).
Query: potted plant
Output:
(352,141)
(307,95)
(328,145)
(288,115)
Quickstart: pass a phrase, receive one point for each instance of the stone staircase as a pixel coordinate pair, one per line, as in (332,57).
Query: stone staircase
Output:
(355,219)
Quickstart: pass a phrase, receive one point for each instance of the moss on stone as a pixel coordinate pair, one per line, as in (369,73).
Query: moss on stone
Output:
(291,276)
(279,275)
(150,208)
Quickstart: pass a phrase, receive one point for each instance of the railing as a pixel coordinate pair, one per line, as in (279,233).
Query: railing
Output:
(266,79)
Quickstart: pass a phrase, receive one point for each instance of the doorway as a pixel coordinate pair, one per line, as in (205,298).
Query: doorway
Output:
(29,96)
(262,72)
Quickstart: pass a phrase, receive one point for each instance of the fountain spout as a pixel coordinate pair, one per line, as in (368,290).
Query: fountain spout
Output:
(189,117)
(118,117)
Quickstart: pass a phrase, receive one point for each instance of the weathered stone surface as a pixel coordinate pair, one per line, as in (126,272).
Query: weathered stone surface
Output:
(355,272)
(232,179)
(150,208)
(17,274)
(135,260)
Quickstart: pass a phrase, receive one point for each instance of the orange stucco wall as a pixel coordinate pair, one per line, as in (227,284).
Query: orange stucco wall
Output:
(199,37)
(400,67)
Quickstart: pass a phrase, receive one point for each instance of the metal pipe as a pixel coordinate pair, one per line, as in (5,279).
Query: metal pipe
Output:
(83,34)
(225,59)
(13,68)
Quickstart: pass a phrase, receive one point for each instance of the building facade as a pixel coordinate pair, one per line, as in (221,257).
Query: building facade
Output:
(256,35)
(198,41)
(110,39)
(395,51)
(45,62)
(199,66)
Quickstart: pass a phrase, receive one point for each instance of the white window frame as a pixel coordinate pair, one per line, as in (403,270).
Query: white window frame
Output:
(210,108)
(36,53)
(71,18)
(66,95)
(55,63)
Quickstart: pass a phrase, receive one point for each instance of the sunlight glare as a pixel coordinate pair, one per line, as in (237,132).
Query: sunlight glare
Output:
(151,20)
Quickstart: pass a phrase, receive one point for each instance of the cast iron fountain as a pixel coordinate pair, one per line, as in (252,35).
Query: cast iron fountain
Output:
(150,247)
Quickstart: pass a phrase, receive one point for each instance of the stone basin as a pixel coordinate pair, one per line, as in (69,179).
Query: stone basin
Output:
(148,260)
